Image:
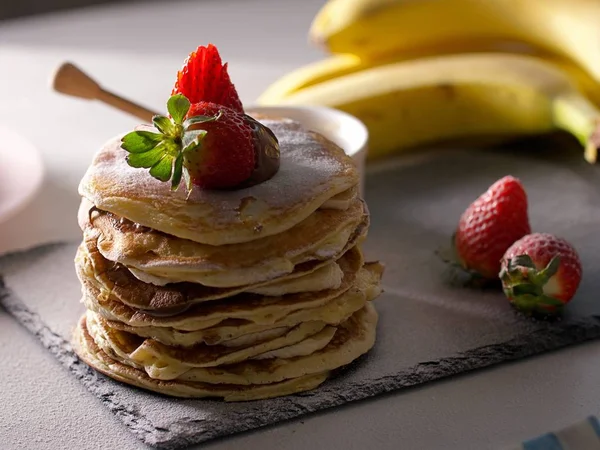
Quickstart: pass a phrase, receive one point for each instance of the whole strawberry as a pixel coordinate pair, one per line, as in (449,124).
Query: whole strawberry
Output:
(490,225)
(540,273)
(209,145)
(204,78)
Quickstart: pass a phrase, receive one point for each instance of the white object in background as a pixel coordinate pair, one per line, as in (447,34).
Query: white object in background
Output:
(21,172)
(343,129)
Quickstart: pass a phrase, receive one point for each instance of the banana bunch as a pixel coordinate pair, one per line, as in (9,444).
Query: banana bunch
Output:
(418,72)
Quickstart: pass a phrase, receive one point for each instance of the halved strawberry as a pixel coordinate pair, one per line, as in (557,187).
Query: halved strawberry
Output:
(204,78)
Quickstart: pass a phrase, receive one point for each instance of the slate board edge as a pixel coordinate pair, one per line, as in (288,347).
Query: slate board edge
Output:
(541,341)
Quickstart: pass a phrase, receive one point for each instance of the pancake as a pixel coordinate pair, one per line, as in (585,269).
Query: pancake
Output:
(353,338)
(158,258)
(333,313)
(257,308)
(117,280)
(93,356)
(251,308)
(247,339)
(328,276)
(136,352)
(307,347)
(343,200)
(312,171)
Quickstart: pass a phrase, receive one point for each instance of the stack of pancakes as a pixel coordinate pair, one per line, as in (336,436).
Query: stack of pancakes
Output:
(240,294)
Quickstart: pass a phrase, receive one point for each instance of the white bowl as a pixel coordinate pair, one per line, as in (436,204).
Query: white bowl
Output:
(343,129)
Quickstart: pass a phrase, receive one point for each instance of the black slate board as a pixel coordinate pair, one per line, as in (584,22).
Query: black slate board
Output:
(428,328)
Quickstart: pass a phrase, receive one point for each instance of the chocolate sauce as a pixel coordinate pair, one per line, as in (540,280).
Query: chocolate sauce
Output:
(266,146)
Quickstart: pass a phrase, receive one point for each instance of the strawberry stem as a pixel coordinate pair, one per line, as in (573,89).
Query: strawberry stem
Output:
(523,284)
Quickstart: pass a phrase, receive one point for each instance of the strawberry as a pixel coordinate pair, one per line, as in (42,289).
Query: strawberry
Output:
(490,225)
(204,78)
(540,273)
(209,145)
(227,155)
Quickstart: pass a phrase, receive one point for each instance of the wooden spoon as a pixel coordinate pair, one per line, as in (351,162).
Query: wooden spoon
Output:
(70,80)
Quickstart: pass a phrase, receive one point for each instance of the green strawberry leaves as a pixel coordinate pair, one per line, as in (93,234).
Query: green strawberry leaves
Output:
(192,139)
(163,152)
(162,169)
(148,158)
(177,172)
(178,106)
(164,125)
(140,141)
(523,284)
(201,119)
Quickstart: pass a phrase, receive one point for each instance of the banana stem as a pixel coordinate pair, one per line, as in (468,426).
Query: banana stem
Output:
(575,114)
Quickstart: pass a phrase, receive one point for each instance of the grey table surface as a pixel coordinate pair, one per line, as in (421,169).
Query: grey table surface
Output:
(135,50)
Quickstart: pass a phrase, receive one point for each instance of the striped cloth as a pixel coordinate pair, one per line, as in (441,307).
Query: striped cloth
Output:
(584,435)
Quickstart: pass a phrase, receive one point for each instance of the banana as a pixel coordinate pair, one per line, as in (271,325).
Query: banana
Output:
(309,75)
(378,29)
(420,102)
(344,64)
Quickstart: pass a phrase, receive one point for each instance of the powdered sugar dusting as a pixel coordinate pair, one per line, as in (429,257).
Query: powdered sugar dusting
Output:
(306,167)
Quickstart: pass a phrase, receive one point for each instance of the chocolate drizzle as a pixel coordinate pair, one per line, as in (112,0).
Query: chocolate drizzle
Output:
(266,148)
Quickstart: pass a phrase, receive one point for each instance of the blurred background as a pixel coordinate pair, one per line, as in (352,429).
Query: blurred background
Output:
(10,9)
